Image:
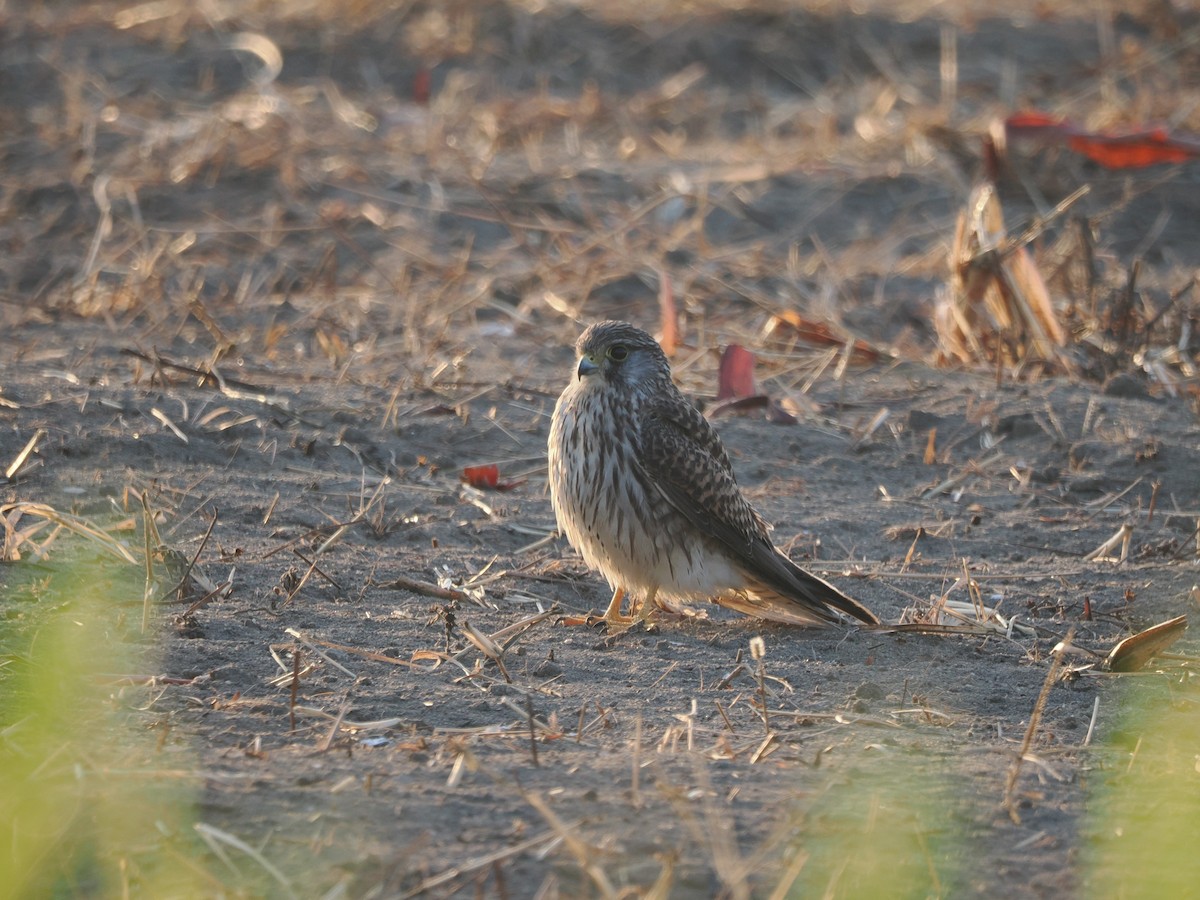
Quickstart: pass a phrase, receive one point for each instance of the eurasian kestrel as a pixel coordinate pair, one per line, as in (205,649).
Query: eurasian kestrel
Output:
(643,489)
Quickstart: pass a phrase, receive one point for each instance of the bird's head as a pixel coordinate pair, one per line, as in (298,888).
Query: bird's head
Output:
(618,353)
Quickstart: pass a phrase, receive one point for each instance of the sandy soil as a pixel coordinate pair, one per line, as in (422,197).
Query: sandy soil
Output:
(287,316)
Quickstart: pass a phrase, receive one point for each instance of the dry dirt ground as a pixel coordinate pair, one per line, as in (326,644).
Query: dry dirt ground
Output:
(279,308)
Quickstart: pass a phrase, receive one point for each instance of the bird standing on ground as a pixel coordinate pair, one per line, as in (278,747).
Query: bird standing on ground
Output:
(644,490)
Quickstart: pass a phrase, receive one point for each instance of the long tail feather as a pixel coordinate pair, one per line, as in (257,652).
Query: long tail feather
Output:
(784,592)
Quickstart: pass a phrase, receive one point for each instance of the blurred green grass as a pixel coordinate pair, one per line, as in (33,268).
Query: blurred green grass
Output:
(88,805)
(1144,795)
(883,830)
(894,828)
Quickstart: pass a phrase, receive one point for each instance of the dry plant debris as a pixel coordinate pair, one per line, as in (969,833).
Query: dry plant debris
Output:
(998,309)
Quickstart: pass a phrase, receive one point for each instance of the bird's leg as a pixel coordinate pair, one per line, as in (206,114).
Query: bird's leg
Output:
(648,605)
(612,615)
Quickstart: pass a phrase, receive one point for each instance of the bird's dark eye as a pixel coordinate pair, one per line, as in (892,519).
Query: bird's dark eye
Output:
(618,352)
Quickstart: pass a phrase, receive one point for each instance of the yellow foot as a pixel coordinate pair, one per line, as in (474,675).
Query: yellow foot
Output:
(618,623)
(648,607)
(613,617)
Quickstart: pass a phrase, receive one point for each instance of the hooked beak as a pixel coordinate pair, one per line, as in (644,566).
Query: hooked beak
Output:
(586,367)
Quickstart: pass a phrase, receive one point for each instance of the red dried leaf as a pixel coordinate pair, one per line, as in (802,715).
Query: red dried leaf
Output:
(735,377)
(488,477)
(421,85)
(1032,124)
(482,476)
(1131,150)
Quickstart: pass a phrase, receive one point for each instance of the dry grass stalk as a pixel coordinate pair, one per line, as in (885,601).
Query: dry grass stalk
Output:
(404,583)
(359,652)
(294,687)
(14,538)
(217,840)
(585,855)
(312,645)
(1121,539)
(192,575)
(464,761)
(303,580)
(661,889)
(667,314)
(730,675)
(876,422)
(334,727)
(549,837)
(984,618)
(549,730)
(74,524)
(783,887)
(1087,738)
(766,748)
(152,545)
(533,751)
(955,481)
(493,646)
(350,725)
(758,651)
(998,310)
(166,420)
(1035,719)
(486,646)
(15,466)
(715,829)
